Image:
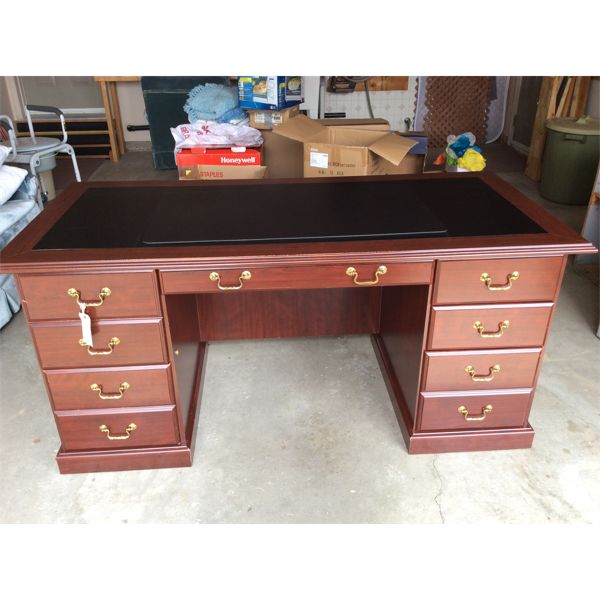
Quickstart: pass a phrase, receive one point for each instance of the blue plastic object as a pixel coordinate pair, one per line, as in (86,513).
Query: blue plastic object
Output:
(213,102)
(461,145)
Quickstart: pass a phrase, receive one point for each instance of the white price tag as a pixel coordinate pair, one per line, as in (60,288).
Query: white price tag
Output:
(319,159)
(86,326)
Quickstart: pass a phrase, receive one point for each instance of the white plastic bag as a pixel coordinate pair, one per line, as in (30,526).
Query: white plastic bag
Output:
(209,134)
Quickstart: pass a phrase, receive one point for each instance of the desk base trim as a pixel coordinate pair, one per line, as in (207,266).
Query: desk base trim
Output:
(123,460)
(471,441)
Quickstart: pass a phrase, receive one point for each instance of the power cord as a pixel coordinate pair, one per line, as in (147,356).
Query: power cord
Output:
(365,81)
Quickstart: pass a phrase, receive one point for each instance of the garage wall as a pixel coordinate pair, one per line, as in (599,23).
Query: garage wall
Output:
(131,101)
(395,106)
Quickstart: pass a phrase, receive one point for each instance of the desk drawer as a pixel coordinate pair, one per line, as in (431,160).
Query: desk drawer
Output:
(460,282)
(448,370)
(113,388)
(139,342)
(80,430)
(131,295)
(281,278)
(483,411)
(489,326)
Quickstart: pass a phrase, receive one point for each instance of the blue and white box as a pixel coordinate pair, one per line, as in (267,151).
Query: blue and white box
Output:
(270,92)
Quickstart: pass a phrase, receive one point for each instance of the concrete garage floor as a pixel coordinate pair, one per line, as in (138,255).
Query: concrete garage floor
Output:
(302,431)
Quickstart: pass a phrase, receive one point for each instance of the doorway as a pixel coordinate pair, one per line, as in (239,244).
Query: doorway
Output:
(524,108)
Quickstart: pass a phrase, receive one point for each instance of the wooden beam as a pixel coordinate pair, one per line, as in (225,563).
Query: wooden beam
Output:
(545,110)
(580,96)
(565,100)
(114,148)
(554,96)
(386,84)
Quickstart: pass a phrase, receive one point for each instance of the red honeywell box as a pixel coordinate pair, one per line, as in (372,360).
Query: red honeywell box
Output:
(218,156)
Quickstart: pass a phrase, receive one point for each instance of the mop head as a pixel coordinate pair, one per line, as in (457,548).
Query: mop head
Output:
(212,102)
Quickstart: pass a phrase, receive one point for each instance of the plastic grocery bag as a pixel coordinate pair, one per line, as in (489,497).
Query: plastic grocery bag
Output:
(209,134)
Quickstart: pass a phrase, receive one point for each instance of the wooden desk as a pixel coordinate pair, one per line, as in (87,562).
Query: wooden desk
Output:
(458,319)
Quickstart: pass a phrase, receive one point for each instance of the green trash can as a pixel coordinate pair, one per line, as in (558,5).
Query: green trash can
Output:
(570,160)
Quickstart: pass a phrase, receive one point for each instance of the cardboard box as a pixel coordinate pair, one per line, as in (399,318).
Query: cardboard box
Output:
(373,124)
(267,119)
(218,156)
(418,136)
(345,151)
(219,163)
(284,157)
(218,172)
(269,92)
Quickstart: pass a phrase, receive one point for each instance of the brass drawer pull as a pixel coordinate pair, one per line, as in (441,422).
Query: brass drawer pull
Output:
(491,334)
(494,287)
(125,436)
(117,396)
(352,272)
(474,377)
(480,417)
(92,352)
(104,293)
(214,276)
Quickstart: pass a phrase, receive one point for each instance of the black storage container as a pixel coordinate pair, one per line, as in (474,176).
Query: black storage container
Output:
(164,98)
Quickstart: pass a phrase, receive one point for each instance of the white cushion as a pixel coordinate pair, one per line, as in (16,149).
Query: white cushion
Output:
(4,152)
(10,180)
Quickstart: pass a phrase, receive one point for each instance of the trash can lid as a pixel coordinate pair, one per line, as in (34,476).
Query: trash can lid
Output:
(583,126)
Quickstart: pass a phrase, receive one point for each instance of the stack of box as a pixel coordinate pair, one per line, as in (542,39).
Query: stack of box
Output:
(270,99)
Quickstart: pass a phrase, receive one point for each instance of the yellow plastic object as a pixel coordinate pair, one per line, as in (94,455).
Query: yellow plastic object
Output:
(472,160)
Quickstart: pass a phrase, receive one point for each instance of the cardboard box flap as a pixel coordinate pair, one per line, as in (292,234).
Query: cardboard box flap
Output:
(374,124)
(392,147)
(301,129)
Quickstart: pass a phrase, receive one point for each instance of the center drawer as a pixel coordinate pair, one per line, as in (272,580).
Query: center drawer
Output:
(139,342)
(95,430)
(293,277)
(110,388)
(481,370)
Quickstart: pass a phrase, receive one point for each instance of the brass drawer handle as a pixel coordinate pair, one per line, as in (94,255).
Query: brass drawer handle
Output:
(92,352)
(125,436)
(117,396)
(474,377)
(480,417)
(494,287)
(491,334)
(104,293)
(214,276)
(352,272)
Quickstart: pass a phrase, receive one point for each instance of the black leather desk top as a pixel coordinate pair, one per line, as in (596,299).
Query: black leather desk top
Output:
(126,217)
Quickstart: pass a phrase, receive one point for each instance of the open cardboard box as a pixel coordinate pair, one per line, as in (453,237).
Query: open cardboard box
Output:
(346,151)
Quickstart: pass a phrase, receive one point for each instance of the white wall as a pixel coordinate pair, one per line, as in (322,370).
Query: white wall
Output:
(395,106)
(131,101)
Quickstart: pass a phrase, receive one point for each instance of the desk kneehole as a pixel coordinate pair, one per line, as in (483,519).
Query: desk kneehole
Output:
(246,278)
